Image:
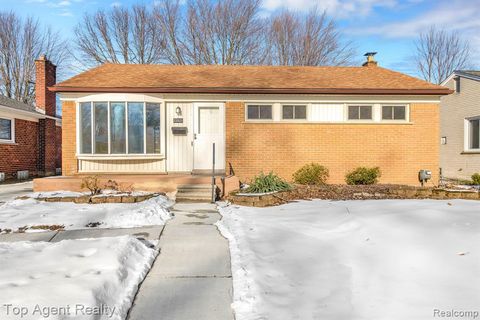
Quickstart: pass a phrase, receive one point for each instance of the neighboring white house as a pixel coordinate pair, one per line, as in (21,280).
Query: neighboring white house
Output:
(460,126)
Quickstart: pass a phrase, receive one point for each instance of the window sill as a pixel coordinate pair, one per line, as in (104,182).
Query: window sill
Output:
(8,142)
(350,122)
(121,157)
(470,152)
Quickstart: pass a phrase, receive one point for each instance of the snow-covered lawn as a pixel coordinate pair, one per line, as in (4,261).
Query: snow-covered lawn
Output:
(72,279)
(377,259)
(27,213)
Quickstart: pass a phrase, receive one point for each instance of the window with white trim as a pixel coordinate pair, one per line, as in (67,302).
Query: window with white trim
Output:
(294,112)
(119,128)
(473,133)
(259,112)
(359,112)
(6,129)
(394,113)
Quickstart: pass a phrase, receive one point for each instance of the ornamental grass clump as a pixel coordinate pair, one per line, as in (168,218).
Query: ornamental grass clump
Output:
(311,174)
(476,179)
(264,183)
(363,176)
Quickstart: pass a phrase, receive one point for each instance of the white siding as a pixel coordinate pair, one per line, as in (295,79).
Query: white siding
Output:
(153,166)
(327,112)
(179,147)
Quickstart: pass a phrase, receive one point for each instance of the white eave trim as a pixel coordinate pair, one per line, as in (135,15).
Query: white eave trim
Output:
(460,74)
(23,114)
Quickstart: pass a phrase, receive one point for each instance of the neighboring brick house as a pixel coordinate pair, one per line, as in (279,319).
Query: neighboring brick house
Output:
(30,136)
(157,119)
(460,126)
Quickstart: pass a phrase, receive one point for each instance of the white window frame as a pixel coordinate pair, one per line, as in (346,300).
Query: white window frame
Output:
(466,134)
(125,155)
(306,105)
(12,130)
(407,112)
(347,107)
(259,104)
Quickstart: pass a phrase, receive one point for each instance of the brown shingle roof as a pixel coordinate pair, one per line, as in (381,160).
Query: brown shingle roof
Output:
(246,79)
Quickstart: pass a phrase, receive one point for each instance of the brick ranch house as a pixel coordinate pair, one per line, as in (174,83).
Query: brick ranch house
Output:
(31,136)
(162,119)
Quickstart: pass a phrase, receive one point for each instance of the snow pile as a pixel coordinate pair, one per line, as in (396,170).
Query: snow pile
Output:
(100,276)
(20,213)
(378,259)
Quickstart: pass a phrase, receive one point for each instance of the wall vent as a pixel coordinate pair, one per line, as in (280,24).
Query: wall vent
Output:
(22,175)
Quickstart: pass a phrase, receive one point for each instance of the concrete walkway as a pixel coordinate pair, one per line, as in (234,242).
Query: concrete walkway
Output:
(191,278)
(9,191)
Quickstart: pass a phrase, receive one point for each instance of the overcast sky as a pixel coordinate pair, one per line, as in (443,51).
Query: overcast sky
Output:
(386,26)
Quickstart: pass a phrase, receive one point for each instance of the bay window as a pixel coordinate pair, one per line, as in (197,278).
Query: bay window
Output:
(119,128)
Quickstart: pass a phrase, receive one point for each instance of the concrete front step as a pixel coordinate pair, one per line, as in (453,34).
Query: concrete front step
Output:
(194,193)
(194,187)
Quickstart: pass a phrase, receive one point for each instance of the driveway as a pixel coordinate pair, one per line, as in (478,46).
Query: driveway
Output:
(11,190)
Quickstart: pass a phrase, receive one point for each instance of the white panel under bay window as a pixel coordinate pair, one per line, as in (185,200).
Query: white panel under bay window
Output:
(326,112)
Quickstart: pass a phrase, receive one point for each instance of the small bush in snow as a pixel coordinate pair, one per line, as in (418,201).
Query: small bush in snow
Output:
(476,178)
(267,183)
(363,175)
(311,174)
(91,183)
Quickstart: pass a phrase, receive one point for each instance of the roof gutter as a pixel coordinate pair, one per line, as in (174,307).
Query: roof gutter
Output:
(436,92)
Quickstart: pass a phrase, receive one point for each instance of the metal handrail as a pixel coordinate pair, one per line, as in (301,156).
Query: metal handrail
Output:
(213,175)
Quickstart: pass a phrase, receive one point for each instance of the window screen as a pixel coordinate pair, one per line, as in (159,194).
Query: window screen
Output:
(294,112)
(393,113)
(259,112)
(359,112)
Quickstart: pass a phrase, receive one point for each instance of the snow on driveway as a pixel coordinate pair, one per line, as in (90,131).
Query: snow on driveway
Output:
(20,213)
(378,259)
(72,279)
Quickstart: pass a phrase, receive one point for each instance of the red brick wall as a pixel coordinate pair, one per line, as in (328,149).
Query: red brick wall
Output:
(58,138)
(45,77)
(23,154)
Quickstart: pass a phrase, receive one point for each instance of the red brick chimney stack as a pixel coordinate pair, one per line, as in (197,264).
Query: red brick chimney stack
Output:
(46,76)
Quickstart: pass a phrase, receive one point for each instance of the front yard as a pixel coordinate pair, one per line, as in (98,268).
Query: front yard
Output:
(374,259)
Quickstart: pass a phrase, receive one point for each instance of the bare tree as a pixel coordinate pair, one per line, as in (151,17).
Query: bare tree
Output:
(225,32)
(119,36)
(171,21)
(21,42)
(439,53)
(307,40)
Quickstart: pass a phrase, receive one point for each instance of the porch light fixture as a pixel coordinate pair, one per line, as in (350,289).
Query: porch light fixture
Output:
(178,111)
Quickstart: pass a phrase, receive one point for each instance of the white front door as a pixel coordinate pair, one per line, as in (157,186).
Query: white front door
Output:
(208,128)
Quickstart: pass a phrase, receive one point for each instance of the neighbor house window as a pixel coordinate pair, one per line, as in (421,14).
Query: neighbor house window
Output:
(259,112)
(394,113)
(6,129)
(359,112)
(474,133)
(294,112)
(119,128)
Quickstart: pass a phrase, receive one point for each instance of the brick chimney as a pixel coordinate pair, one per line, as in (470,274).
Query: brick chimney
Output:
(46,76)
(370,59)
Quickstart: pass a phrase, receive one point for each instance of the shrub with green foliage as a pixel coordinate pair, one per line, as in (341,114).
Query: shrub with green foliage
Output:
(311,174)
(267,183)
(476,178)
(363,175)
